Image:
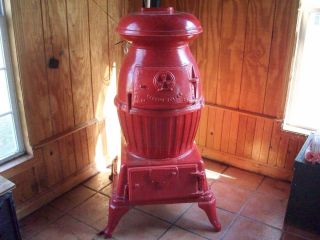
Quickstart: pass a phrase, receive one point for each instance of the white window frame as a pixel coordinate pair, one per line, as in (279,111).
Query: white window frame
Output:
(11,85)
(306,8)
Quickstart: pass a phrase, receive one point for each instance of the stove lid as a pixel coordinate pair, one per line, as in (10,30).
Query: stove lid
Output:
(159,22)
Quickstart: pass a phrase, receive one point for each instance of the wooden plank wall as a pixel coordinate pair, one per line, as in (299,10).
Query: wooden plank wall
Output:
(244,56)
(64,105)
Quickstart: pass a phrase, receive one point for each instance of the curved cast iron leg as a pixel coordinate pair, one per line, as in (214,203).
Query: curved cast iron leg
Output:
(115,214)
(210,209)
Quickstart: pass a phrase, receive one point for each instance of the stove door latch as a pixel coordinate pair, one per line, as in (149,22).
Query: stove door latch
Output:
(201,178)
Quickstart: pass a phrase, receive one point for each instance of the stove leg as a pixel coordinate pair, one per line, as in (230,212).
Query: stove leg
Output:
(115,214)
(210,209)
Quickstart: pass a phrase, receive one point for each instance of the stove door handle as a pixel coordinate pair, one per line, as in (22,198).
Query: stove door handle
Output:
(198,174)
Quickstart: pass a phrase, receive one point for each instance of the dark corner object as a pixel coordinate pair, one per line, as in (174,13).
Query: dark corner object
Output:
(9,228)
(304,202)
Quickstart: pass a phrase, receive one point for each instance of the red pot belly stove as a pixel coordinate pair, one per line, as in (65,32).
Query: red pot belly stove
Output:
(159,103)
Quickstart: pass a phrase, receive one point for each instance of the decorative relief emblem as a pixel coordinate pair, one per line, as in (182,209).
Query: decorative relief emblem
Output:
(164,81)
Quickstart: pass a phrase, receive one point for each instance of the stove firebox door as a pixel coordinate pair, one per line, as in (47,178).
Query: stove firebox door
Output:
(163,182)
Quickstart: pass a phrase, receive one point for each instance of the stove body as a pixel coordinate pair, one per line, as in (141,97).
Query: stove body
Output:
(159,102)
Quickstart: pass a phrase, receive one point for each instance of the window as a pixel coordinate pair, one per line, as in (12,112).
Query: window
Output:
(11,144)
(303,105)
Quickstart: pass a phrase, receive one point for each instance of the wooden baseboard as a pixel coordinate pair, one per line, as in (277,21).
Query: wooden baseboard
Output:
(247,164)
(50,194)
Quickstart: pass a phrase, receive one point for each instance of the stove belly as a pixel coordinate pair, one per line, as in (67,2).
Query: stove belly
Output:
(159,136)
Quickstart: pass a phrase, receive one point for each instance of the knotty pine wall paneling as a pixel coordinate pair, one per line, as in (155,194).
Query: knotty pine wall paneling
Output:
(64,106)
(28,30)
(281,51)
(244,56)
(260,16)
(59,79)
(246,141)
(231,52)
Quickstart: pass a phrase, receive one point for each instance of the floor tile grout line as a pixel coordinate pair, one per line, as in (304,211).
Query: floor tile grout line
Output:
(77,205)
(48,223)
(224,234)
(68,212)
(179,217)
(95,190)
(162,219)
(253,193)
(150,214)
(165,231)
(174,223)
(188,230)
(260,183)
(81,221)
(263,223)
(238,214)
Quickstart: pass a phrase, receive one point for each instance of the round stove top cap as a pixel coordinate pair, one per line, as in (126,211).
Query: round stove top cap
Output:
(159,22)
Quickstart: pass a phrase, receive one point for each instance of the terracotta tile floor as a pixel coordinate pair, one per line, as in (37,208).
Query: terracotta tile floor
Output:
(250,206)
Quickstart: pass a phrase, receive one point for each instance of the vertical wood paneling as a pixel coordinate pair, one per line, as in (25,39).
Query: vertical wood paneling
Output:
(225,136)
(26,186)
(250,131)
(59,82)
(233,133)
(81,149)
(208,46)
(170,3)
(282,151)
(67,156)
(257,142)
(99,48)
(40,170)
(291,153)
(274,145)
(241,135)
(218,129)
(266,140)
(79,47)
(136,5)
(52,163)
(244,55)
(233,30)
(115,49)
(28,30)
(256,56)
(280,57)
(57,100)
(211,128)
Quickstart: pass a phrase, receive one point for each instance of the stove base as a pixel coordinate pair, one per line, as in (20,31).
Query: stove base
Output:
(117,211)
(169,181)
